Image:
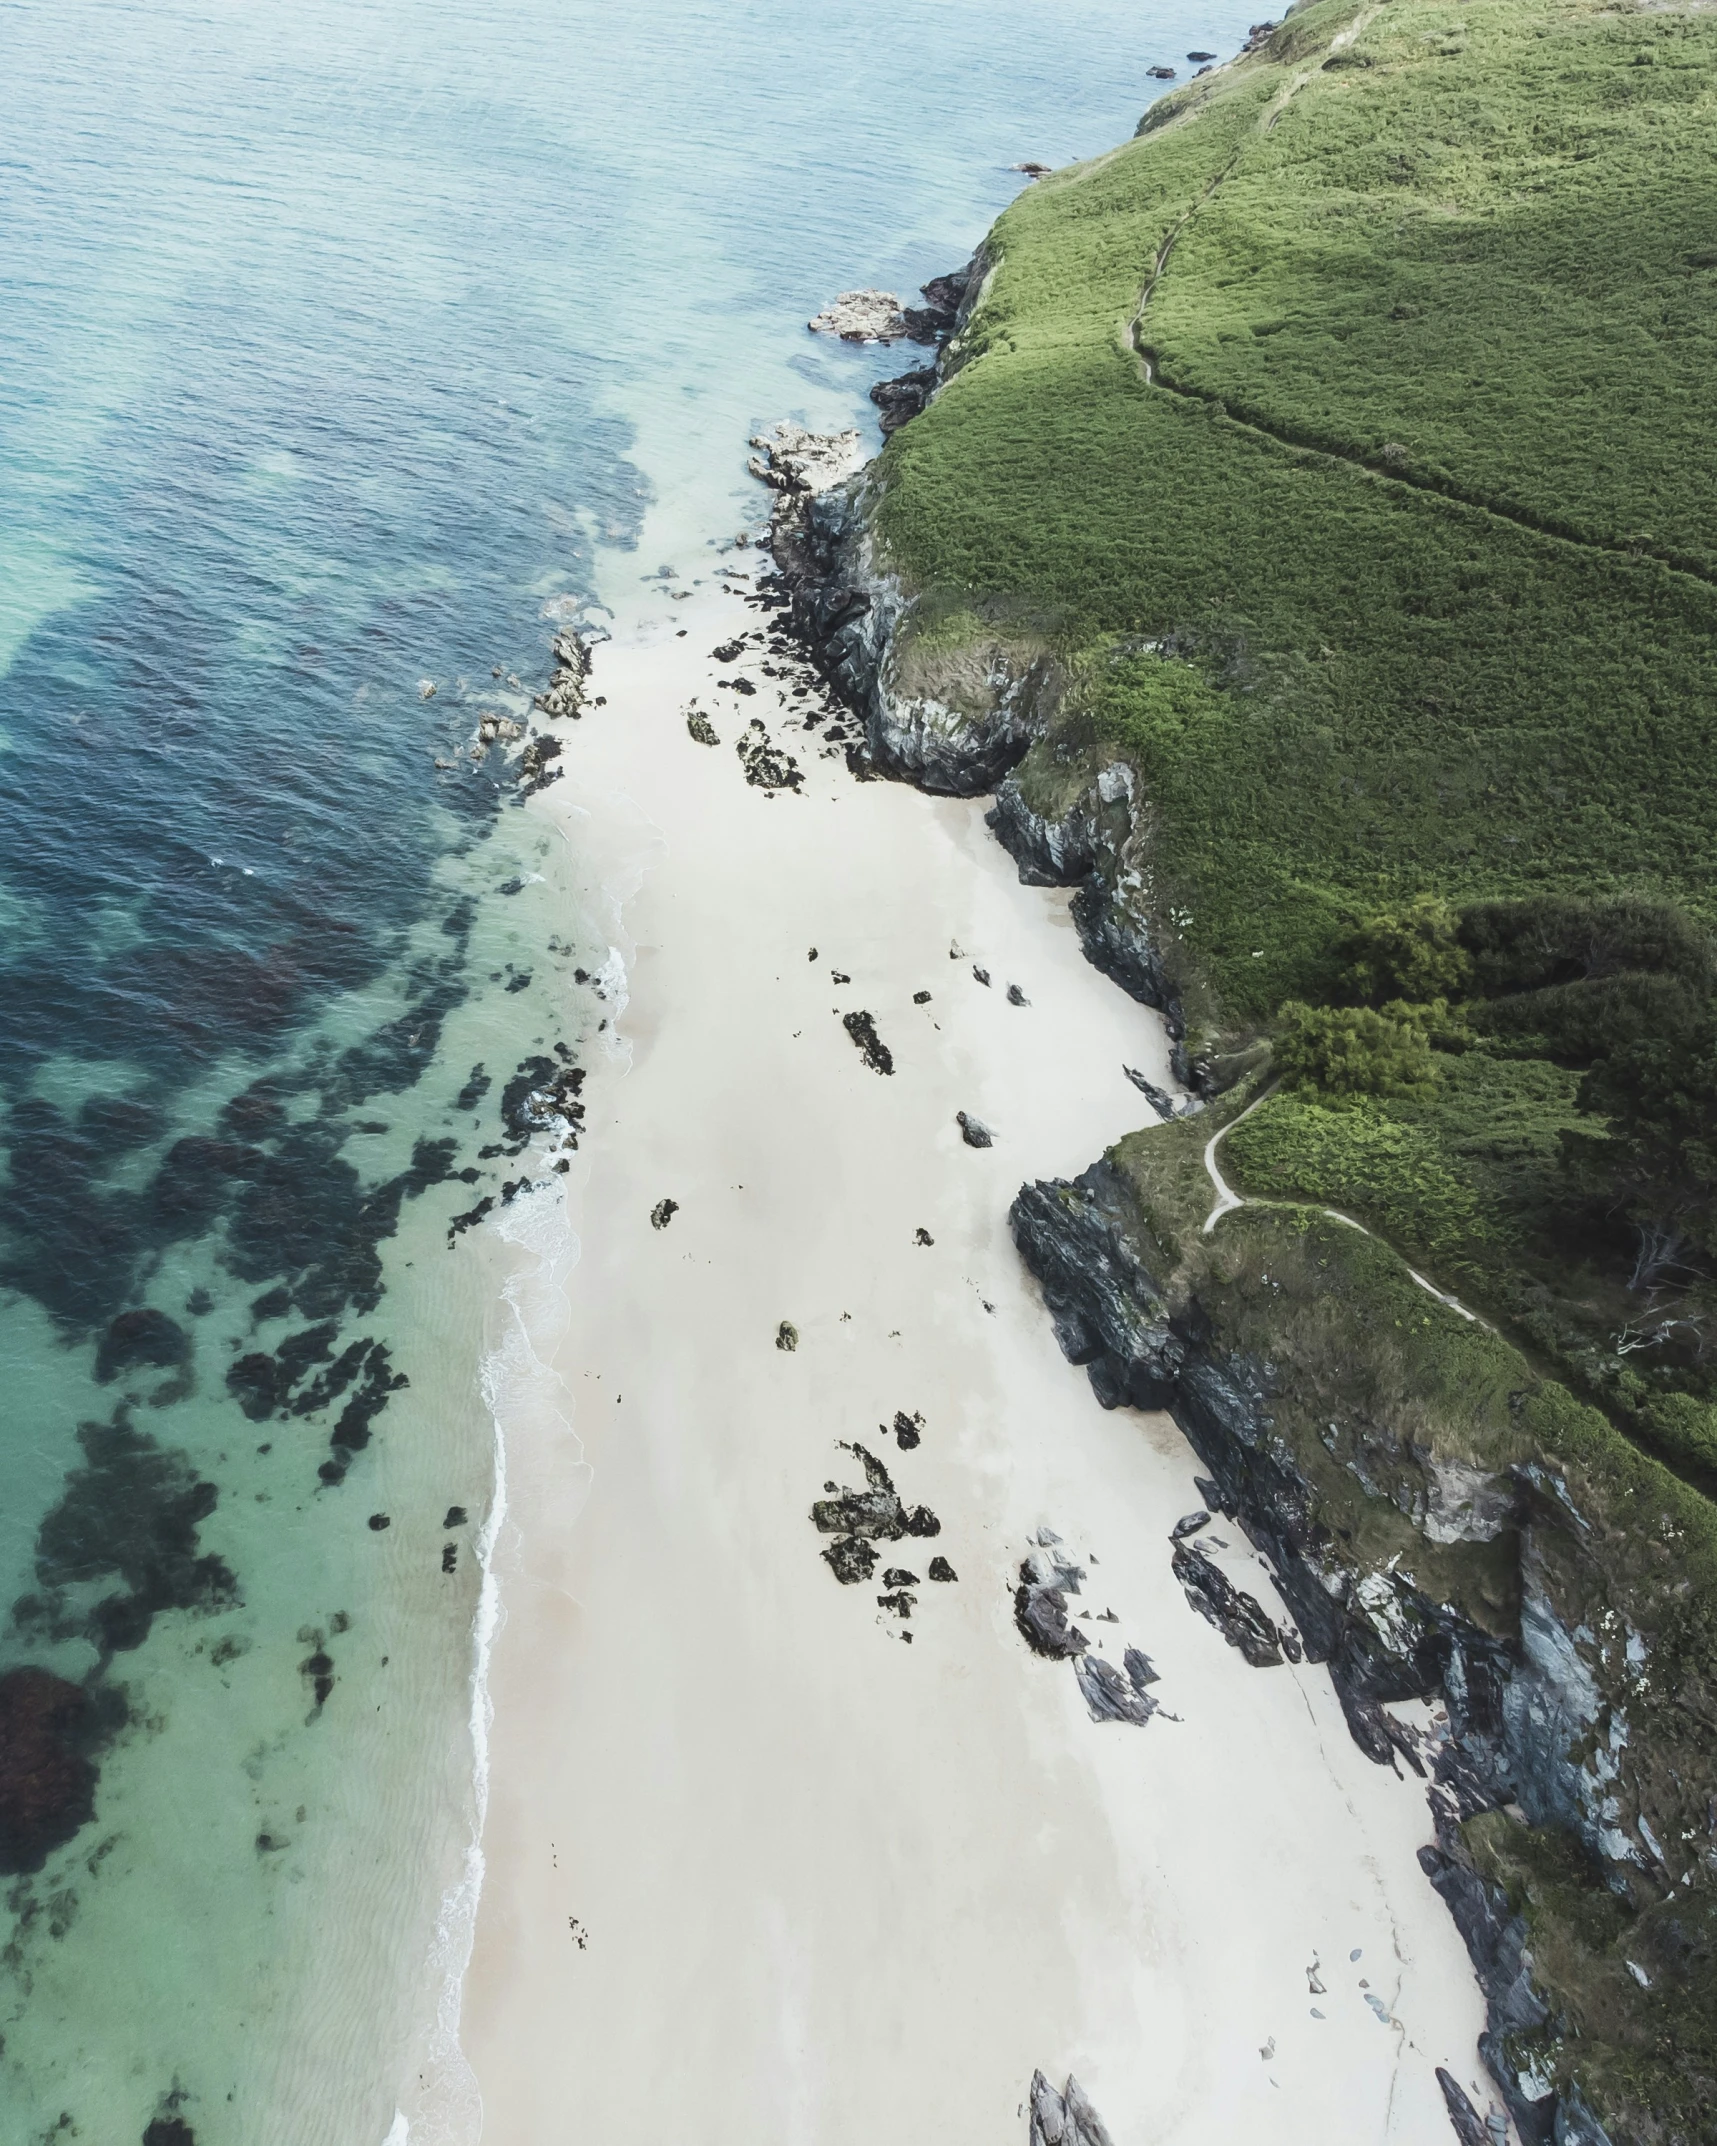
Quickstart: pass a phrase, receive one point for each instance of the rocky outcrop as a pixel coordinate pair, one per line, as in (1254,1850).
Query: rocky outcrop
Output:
(1065,2119)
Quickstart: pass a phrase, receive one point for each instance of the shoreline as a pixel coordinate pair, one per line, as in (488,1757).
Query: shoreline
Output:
(670,1609)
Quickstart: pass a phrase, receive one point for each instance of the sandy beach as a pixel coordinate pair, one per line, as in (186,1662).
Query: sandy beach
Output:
(764,1862)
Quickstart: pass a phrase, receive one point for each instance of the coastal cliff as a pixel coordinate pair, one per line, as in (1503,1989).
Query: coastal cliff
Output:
(1316,678)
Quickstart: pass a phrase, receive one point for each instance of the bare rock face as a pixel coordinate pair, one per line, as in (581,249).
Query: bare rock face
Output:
(1240,1618)
(565,694)
(1109,1695)
(1065,2119)
(790,459)
(862,317)
(1046,1579)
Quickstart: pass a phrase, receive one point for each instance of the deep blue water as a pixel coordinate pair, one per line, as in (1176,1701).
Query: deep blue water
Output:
(341,346)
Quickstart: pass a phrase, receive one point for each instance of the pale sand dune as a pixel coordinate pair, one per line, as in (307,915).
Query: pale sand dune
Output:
(835,1888)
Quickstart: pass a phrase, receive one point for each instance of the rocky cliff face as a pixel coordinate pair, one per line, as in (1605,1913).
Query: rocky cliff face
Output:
(1542,1700)
(859,624)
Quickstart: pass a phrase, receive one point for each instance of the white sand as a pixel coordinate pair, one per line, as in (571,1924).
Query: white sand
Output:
(834,1888)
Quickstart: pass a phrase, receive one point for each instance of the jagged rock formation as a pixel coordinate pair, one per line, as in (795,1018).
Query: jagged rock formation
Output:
(1065,2119)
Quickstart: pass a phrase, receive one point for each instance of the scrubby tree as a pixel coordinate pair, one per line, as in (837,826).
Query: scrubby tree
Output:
(1414,954)
(1353,1050)
(1659,1160)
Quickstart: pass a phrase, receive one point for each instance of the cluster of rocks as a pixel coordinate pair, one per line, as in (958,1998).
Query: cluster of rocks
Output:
(861,1027)
(859,1519)
(791,460)
(880,317)
(766,765)
(1046,1578)
(564,695)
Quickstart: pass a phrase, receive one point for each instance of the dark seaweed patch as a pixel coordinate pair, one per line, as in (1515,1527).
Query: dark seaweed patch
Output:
(47,1778)
(118,1123)
(474,1089)
(131,1512)
(141,1338)
(381,1382)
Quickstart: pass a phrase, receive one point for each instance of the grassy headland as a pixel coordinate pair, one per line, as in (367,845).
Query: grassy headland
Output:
(1349,441)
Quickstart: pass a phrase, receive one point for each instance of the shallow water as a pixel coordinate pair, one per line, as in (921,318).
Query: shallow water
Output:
(344,350)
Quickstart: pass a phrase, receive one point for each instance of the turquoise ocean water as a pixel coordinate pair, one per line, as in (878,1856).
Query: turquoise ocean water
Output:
(346,350)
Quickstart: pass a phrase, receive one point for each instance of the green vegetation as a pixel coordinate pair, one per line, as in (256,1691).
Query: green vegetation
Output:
(1354,1050)
(1491,246)
(1348,437)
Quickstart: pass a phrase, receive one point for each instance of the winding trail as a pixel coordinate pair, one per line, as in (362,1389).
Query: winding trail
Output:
(1227,1200)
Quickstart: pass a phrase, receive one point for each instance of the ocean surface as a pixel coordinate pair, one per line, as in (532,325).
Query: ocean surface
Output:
(347,352)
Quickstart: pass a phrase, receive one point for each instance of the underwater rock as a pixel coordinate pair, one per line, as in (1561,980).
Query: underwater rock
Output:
(47,1780)
(169,2131)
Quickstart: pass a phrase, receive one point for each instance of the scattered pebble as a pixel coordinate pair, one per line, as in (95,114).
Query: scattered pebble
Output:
(921,998)
(983,975)
(663,1213)
(974,1131)
(923,1237)
(787,1335)
(1016,997)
